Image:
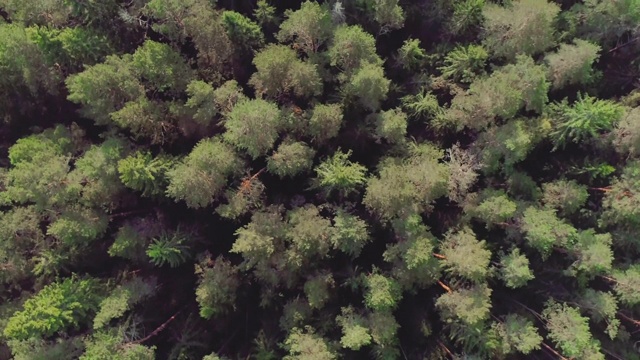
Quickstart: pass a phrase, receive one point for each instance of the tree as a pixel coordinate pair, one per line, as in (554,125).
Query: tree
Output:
(517,334)
(105,88)
(465,256)
(494,207)
(253,126)
(290,159)
(601,307)
(411,55)
(317,289)
(585,119)
(308,235)
(369,86)
(355,333)
(524,27)
(514,270)
(572,63)
(141,171)
(161,67)
(463,166)
(78,227)
(265,13)
(246,197)
(351,48)
(325,122)
(626,137)
(227,96)
(200,177)
(382,293)
(391,125)
(122,299)
(201,101)
(544,231)
(467,15)
(306,344)
(350,233)
(620,203)
(243,32)
(338,173)
(113,344)
(627,284)
(169,248)
(217,286)
(469,305)
(146,119)
(464,63)
(56,307)
(565,195)
(502,147)
(569,330)
(308,27)
(279,72)
(388,14)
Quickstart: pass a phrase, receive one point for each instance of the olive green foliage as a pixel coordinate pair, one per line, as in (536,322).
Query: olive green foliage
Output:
(391,125)
(585,119)
(306,344)
(253,126)
(325,122)
(351,48)
(355,333)
(70,47)
(308,235)
(339,174)
(572,63)
(350,233)
(422,105)
(626,137)
(113,344)
(570,331)
(464,63)
(621,202)
(308,27)
(502,94)
(627,284)
(465,256)
(122,299)
(544,230)
(290,159)
(279,72)
(522,27)
(501,148)
(495,207)
(602,307)
(265,13)
(467,15)
(143,172)
(514,270)
(217,286)
(161,67)
(382,293)
(201,101)
(411,55)
(369,86)
(518,335)
(201,176)
(241,30)
(469,305)
(317,289)
(227,96)
(57,307)
(565,195)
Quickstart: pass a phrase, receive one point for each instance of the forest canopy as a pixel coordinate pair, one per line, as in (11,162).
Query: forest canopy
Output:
(340,179)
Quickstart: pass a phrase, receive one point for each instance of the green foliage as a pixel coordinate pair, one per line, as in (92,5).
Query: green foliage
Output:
(317,289)
(70,47)
(290,159)
(626,137)
(469,305)
(113,345)
(169,248)
(514,270)
(411,55)
(55,308)
(465,256)
(355,333)
(325,122)
(350,233)
(241,30)
(369,86)
(522,27)
(227,96)
(463,166)
(247,197)
(565,195)
(308,27)
(464,63)
(78,226)
(544,231)
(122,299)
(495,207)
(467,15)
(504,146)
(601,307)
(502,94)
(422,105)
(146,119)
(279,72)
(382,293)
(388,14)
(308,234)
(391,125)
(627,285)
(306,344)
(141,171)
(39,349)
(265,13)
(338,173)
(201,101)
(201,176)
(104,88)
(620,203)
(253,126)
(517,334)
(161,67)
(351,48)
(585,119)
(407,186)
(572,63)
(569,330)
(217,286)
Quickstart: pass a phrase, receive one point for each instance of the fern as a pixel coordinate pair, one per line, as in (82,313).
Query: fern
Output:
(169,249)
